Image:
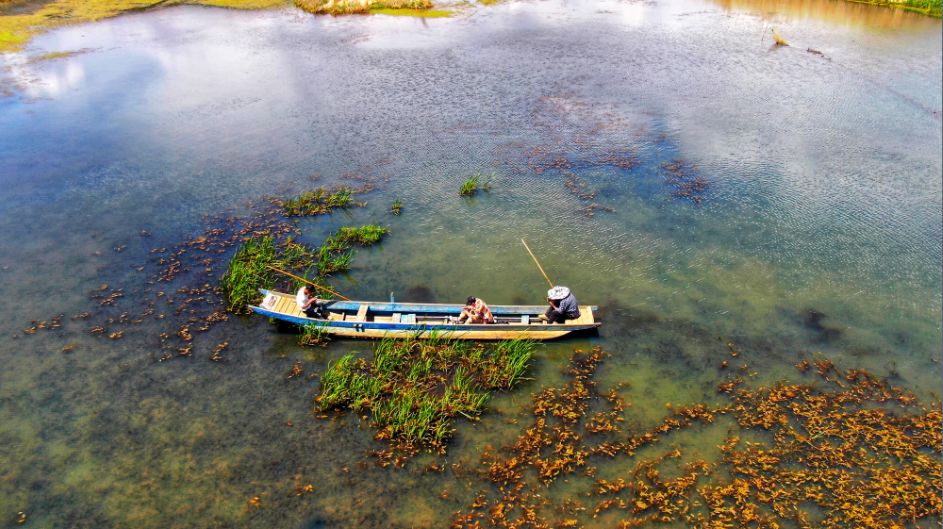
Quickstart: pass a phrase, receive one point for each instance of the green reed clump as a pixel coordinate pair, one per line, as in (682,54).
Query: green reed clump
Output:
(396,207)
(314,334)
(250,269)
(335,254)
(513,358)
(317,202)
(345,7)
(469,187)
(363,235)
(474,183)
(415,388)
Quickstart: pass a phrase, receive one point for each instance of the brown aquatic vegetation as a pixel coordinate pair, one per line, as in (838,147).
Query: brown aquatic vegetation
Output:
(851,452)
(686,181)
(190,268)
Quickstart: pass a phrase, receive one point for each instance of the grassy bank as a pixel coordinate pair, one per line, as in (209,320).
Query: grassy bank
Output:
(926,7)
(20,21)
(347,7)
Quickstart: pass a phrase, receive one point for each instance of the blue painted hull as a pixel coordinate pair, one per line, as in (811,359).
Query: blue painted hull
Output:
(358,319)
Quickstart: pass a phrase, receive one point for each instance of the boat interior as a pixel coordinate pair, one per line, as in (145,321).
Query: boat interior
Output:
(285,304)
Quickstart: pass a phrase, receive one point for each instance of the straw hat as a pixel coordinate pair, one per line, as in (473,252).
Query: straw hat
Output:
(558,293)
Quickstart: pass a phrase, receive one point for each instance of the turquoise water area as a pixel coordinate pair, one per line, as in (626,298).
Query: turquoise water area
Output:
(663,159)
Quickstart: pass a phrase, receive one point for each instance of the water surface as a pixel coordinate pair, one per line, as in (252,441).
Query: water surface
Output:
(818,231)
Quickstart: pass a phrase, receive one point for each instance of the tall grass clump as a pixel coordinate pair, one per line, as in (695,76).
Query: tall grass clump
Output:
(363,235)
(250,269)
(474,183)
(513,357)
(314,334)
(396,207)
(335,254)
(317,202)
(415,388)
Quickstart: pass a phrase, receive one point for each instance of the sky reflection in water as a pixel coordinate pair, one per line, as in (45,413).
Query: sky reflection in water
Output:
(824,195)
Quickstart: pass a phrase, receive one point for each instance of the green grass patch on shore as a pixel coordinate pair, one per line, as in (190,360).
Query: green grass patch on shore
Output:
(18,22)
(414,388)
(926,7)
(348,7)
(409,12)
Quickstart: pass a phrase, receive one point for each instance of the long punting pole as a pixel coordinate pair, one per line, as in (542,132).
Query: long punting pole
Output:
(534,257)
(315,285)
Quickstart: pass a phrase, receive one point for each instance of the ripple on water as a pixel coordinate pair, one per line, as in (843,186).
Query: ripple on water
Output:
(818,232)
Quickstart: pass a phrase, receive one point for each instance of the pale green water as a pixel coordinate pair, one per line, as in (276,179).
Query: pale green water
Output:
(824,194)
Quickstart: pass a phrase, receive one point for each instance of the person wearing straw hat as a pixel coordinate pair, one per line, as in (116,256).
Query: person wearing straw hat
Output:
(563,306)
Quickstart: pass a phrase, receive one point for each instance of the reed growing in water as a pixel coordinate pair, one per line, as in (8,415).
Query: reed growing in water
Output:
(317,202)
(313,334)
(249,269)
(471,185)
(415,388)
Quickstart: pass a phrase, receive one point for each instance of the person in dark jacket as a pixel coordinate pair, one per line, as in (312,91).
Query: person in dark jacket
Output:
(563,306)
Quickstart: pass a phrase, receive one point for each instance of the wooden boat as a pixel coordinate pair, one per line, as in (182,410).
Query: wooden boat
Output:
(371,319)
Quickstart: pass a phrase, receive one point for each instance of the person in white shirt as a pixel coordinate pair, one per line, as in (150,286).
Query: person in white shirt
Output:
(310,304)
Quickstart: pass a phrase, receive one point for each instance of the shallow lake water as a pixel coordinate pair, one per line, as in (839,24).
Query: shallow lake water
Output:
(663,159)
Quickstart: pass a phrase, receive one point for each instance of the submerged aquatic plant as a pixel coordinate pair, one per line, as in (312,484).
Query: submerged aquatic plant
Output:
(415,388)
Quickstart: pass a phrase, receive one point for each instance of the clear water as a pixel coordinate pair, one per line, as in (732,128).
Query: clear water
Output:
(824,194)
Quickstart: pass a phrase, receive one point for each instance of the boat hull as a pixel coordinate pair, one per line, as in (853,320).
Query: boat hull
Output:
(364,319)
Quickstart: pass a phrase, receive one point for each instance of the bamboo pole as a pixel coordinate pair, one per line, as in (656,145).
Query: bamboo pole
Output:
(315,285)
(534,257)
